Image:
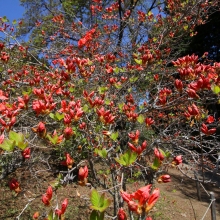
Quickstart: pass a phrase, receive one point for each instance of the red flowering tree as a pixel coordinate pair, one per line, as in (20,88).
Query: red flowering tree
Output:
(106,96)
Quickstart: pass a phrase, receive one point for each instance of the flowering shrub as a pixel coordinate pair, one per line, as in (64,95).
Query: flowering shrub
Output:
(88,102)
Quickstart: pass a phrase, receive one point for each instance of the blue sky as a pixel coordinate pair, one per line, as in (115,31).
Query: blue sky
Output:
(11,9)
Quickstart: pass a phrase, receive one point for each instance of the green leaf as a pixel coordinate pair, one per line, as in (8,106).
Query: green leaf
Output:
(99,203)
(53,139)
(185,27)
(107,101)
(71,89)
(94,215)
(156,164)
(102,90)
(120,160)
(117,86)
(127,158)
(50,215)
(164,154)
(120,105)
(18,138)
(101,200)
(114,136)
(5,19)
(22,145)
(133,79)
(215,89)
(52,116)
(154,39)
(85,108)
(28,92)
(140,118)
(116,70)
(102,153)
(14,22)
(55,183)
(105,205)
(130,89)
(167,154)
(8,145)
(59,116)
(138,61)
(102,215)
(95,197)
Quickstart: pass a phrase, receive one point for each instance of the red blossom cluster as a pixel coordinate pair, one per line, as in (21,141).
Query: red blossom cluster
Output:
(14,185)
(82,175)
(145,200)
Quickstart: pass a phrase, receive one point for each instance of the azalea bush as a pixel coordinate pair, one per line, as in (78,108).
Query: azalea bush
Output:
(107,95)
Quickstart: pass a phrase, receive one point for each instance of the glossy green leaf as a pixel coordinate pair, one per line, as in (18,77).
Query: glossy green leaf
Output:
(99,202)
(116,70)
(140,118)
(50,215)
(133,79)
(114,136)
(18,138)
(167,154)
(215,89)
(102,153)
(156,164)
(164,154)
(102,90)
(72,89)
(94,197)
(59,116)
(52,116)
(28,92)
(4,19)
(53,139)
(127,158)
(94,215)
(22,145)
(8,145)
(138,61)
(85,108)
(118,86)
(120,105)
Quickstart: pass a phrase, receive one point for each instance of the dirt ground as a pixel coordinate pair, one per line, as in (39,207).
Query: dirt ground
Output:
(178,199)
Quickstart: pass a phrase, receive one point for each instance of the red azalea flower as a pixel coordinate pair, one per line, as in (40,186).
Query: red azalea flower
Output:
(207,131)
(149,121)
(164,179)
(152,199)
(210,119)
(14,185)
(45,200)
(177,160)
(68,162)
(179,85)
(26,153)
(158,154)
(68,132)
(82,175)
(36,215)
(49,192)
(134,136)
(121,214)
(64,206)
